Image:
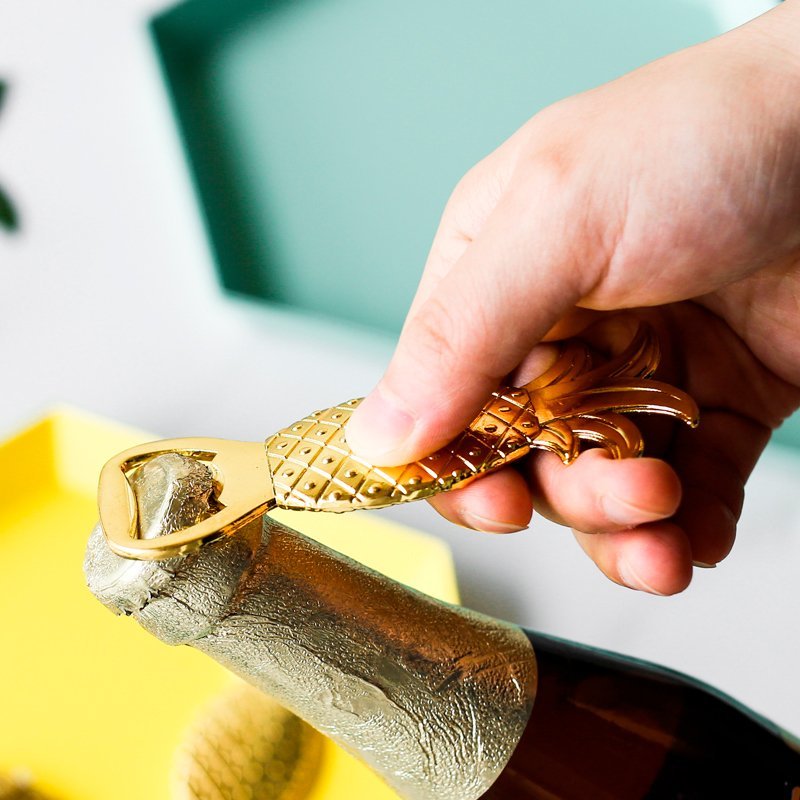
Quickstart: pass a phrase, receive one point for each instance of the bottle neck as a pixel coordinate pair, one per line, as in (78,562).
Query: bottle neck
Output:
(433,697)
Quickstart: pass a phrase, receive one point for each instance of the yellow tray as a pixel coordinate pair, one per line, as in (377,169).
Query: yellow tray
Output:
(61,720)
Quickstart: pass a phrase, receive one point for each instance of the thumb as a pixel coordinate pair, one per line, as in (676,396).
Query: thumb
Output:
(510,286)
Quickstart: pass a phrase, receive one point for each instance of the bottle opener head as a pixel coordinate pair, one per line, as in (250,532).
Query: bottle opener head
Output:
(242,492)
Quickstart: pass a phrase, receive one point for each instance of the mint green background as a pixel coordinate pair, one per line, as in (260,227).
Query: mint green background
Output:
(789,434)
(326,135)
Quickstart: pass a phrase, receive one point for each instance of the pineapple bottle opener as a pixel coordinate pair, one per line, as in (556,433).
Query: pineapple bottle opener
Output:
(309,466)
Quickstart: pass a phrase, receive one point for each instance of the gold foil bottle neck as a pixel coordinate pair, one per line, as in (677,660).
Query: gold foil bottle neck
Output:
(433,697)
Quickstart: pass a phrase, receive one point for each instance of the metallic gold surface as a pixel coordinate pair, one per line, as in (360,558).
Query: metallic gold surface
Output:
(309,465)
(313,468)
(246,746)
(433,697)
(241,493)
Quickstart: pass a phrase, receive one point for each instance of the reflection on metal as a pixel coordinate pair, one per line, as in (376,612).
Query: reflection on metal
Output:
(309,466)
(246,746)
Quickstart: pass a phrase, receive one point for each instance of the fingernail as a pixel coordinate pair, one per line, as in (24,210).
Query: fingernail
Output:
(378,427)
(626,514)
(629,576)
(703,565)
(487,525)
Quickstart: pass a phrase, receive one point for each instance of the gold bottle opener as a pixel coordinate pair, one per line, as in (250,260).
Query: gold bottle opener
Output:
(309,466)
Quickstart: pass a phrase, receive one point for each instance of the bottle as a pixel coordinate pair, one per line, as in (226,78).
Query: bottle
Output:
(444,703)
(612,728)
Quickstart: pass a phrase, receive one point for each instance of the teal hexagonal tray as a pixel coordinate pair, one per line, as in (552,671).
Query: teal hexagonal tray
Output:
(324,136)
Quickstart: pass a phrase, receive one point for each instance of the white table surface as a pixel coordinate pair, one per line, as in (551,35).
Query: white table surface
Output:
(109,302)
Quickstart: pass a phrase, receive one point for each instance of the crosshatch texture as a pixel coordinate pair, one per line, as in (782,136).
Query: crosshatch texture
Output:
(312,467)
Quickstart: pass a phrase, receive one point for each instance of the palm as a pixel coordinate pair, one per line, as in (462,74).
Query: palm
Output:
(697,474)
(741,401)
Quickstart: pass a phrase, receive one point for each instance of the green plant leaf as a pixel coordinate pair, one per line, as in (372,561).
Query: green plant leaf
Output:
(8,214)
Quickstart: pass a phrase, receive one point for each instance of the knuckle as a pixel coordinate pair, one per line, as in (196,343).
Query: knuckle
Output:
(466,188)
(436,336)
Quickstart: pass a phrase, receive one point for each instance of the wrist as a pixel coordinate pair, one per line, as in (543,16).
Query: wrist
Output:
(778,35)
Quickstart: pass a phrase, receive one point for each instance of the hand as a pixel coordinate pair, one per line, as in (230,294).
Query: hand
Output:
(675,188)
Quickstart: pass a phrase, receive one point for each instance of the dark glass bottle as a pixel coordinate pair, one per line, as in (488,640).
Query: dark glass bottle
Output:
(611,728)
